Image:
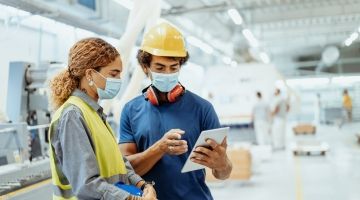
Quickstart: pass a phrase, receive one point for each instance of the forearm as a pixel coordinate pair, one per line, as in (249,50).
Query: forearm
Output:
(276,110)
(132,177)
(224,172)
(144,161)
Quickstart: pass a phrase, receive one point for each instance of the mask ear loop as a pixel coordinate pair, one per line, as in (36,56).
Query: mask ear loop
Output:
(93,82)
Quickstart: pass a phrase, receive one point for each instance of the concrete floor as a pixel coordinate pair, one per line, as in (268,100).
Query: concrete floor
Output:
(335,176)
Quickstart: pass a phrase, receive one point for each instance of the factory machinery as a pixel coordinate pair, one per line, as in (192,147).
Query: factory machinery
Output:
(23,145)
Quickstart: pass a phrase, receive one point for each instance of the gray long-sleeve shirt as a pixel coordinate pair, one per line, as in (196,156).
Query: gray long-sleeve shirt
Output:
(75,156)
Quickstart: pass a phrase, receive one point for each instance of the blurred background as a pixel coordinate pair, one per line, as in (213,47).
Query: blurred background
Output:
(301,56)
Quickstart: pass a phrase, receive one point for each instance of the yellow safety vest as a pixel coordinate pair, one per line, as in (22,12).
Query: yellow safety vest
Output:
(347,103)
(108,155)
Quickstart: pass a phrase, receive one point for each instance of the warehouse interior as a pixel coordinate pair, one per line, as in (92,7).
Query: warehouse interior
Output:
(308,51)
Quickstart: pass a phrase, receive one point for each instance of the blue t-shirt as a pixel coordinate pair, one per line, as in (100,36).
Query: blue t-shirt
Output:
(144,124)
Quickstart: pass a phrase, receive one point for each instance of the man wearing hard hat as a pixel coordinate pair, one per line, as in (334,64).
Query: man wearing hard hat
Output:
(161,125)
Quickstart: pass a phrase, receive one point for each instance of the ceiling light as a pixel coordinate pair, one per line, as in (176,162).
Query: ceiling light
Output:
(125,3)
(348,42)
(308,82)
(345,80)
(354,36)
(235,16)
(250,37)
(265,58)
(200,44)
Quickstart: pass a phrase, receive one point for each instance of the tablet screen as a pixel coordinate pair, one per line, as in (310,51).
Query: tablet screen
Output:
(216,134)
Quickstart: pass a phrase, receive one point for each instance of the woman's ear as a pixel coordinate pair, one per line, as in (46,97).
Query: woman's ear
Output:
(88,74)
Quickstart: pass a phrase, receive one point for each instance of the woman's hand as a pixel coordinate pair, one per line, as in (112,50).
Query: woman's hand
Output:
(149,193)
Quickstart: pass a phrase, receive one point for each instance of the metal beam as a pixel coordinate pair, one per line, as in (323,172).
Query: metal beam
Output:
(46,10)
(206,8)
(258,15)
(316,62)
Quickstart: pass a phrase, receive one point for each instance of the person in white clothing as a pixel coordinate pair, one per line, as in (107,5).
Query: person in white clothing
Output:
(279,111)
(261,119)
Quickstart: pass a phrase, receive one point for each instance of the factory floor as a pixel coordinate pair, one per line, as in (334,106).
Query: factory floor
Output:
(335,176)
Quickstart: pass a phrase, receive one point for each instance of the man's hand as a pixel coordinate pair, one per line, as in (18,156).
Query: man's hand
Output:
(172,144)
(214,157)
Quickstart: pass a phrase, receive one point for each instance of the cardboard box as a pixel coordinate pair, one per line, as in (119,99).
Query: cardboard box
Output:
(241,161)
(304,129)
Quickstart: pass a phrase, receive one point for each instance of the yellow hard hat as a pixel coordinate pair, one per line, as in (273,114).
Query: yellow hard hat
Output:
(164,40)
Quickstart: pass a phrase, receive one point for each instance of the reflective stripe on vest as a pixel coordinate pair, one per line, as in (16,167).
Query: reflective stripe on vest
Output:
(108,155)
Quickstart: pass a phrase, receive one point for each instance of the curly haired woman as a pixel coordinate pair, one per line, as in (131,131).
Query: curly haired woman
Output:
(85,159)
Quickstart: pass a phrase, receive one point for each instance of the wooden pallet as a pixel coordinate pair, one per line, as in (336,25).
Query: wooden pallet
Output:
(310,148)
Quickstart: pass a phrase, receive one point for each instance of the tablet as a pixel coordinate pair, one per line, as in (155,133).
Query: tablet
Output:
(216,134)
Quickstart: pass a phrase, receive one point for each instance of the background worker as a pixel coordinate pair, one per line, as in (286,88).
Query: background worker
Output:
(347,104)
(261,118)
(279,112)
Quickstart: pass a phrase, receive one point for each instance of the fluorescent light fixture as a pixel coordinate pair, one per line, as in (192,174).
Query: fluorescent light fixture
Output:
(351,39)
(348,42)
(354,36)
(345,80)
(359,29)
(125,3)
(235,16)
(308,82)
(264,57)
(250,37)
(200,44)
(227,60)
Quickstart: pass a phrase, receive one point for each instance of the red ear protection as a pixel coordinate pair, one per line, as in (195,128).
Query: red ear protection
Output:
(175,93)
(153,97)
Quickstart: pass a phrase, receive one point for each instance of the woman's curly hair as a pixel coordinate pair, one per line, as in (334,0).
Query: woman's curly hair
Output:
(89,53)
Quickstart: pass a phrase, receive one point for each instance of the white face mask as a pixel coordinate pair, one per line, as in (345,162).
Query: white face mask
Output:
(164,82)
(112,88)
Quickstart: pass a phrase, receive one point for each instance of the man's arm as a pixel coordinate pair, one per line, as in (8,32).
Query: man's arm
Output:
(143,162)
(276,110)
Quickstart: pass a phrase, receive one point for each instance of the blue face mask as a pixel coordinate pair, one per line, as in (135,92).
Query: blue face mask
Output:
(112,88)
(165,82)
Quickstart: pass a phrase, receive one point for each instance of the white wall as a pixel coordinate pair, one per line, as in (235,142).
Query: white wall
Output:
(234,88)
